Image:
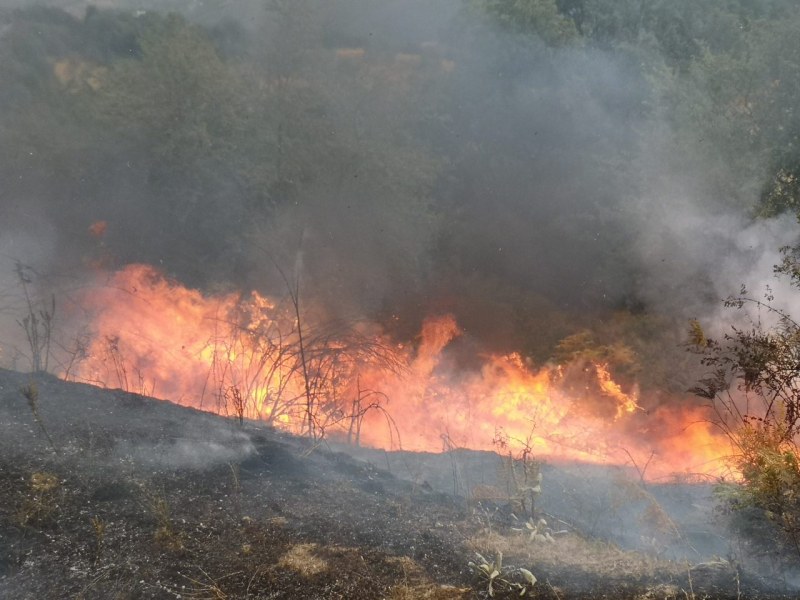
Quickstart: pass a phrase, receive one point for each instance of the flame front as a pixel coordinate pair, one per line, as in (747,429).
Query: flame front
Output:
(243,356)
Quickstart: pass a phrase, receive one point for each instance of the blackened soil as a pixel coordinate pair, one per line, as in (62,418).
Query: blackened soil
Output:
(105,494)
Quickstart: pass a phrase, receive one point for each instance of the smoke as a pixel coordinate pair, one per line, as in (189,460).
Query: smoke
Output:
(420,159)
(531,154)
(217,447)
(561,184)
(22,252)
(695,260)
(694,247)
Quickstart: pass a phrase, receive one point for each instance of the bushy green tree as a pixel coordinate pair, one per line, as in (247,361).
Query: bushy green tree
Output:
(537,17)
(178,98)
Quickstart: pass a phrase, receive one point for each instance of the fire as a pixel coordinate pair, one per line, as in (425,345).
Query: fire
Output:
(98,228)
(625,403)
(252,357)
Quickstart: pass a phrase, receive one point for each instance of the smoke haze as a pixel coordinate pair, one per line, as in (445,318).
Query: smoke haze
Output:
(406,157)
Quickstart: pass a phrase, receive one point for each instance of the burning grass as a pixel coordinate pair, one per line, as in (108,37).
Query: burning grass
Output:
(285,363)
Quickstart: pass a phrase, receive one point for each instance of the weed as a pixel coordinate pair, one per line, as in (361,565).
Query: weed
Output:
(31,394)
(690,594)
(570,551)
(208,589)
(754,391)
(521,474)
(165,534)
(302,559)
(233,396)
(539,532)
(652,516)
(99,528)
(427,591)
(41,503)
(236,484)
(38,323)
(116,358)
(500,578)
(236,489)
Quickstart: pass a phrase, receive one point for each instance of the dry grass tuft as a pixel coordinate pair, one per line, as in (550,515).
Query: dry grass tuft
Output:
(165,534)
(278,521)
(301,559)
(205,587)
(427,591)
(417,586)
(41,503)
(661,592)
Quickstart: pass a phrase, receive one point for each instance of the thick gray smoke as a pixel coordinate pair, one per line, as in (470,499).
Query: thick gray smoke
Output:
(693,247)
(536,151)
(562,182)
(421,160)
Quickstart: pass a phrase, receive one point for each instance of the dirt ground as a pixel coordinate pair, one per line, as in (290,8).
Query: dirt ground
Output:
(106,494)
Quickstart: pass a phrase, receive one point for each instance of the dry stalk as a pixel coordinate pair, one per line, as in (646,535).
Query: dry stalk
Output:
(165,533)
(552,589)
(235,481)
(31,394)
(690,595)
(99,528)
(206,590)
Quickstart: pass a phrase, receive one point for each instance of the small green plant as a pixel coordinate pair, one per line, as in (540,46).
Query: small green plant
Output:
(771,474)
(539,531)
(502,579)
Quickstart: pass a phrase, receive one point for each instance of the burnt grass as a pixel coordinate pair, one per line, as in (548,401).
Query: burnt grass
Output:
(107,494)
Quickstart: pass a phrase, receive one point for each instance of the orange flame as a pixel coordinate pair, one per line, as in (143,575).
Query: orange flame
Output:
(241,355)
(625,403)
(98,228)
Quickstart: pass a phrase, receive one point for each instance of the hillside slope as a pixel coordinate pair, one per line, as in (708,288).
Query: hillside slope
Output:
(106,494)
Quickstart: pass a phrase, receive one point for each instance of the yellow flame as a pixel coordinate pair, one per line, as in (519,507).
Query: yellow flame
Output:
(625,403)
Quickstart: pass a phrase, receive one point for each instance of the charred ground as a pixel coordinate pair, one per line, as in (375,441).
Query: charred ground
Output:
(106,494)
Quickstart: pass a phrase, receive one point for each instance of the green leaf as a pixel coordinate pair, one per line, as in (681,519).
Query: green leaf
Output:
(529,577)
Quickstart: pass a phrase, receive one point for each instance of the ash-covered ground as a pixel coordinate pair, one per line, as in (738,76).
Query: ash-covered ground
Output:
(107,494)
